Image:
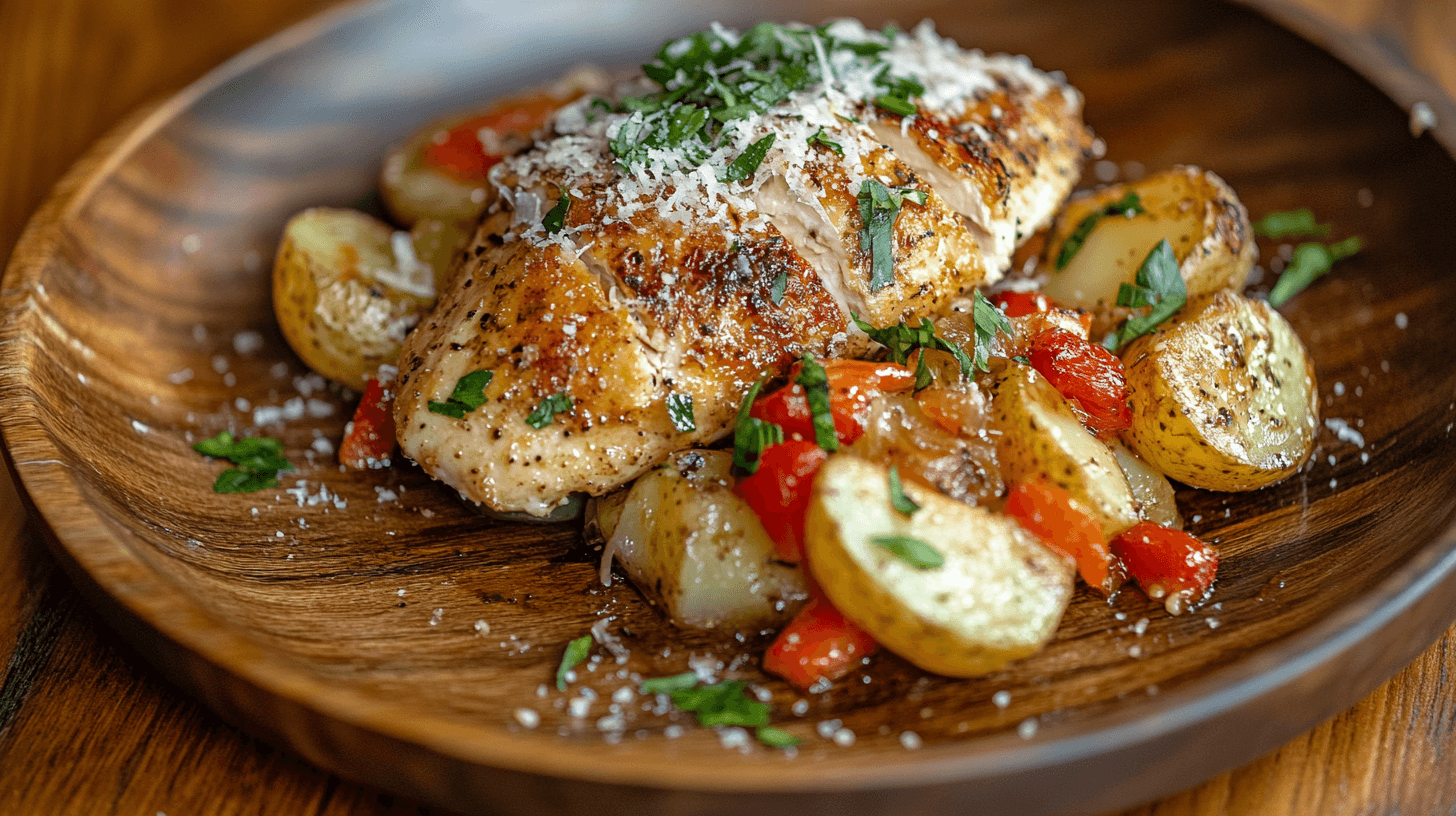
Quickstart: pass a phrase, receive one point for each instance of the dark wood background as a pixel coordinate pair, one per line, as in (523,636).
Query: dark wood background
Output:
(87,728)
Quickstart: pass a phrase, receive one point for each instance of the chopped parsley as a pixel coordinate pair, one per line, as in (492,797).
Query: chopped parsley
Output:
(815,383)
(1310,261)
(555,219)
(780,284)
(901,339)
(879,206)
(912,551)
(775,737)
(258,460)
(680,411)
(548,409)
(724,703)
(898,91)
(1129,204)
(902,503)
(1160,286)
(576,651)
(667,685)
(1290,224)
(751,434)
(748,161)
(709,79)
(820,138)
(468,395)
(990,321)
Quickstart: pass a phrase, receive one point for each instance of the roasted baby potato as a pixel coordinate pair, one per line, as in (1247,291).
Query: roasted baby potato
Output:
(1193,209)
(1223,395)
(697,550)
(1040,438)
(346,290)
(997,596)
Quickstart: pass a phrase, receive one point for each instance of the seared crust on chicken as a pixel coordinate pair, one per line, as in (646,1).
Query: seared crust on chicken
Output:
(667,279)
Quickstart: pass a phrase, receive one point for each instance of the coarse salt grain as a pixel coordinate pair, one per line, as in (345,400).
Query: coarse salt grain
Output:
(1001,699)
(844,737)
(910,740)
(527,717)
(1027,728)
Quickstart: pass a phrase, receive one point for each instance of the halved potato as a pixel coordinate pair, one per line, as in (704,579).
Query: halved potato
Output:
(1193,209)
(997,597)
(1223,395)
(346,290)
(1040,438)
(697,550)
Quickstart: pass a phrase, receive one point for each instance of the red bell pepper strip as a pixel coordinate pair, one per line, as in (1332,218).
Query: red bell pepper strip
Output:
(779,492)
(460,152)
(1088,375)
(818,644)
(1170,565)
(369,438)
(1051,514)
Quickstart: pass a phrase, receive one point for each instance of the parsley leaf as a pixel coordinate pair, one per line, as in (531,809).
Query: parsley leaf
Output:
(680,411)
(1129,204)
(722,703)
(751,434)
(990,321)
(902,503)
(576,651)
(912,551)
(780,284)
(775,737)
(1310,261)
(879,206)
(816,392)
(548,409)
(901,339)
(748,161)
(667,685)
(555,219)
(820,138)
(259,459)
(1290,223)
(468,395)
(1158,285)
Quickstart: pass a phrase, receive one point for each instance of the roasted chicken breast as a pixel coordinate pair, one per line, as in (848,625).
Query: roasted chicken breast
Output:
(644,265)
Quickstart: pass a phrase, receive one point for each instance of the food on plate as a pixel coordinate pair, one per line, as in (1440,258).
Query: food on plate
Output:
(990,592)
(739,301)
(717,220)
(1223,397)
(347,288)
(697,550)
(1102,237)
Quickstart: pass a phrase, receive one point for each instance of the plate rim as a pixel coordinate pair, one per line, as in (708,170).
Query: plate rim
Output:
(1309,652)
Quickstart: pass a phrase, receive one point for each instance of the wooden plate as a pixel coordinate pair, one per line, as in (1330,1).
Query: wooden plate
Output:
(339,617)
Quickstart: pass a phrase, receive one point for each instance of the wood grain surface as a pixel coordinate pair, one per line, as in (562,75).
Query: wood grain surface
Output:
(88,727)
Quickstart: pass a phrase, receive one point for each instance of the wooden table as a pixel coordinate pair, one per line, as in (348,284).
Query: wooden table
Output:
(86,727)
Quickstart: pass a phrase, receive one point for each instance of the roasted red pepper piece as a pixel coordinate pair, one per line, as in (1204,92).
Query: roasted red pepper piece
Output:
(818,644)
(1020,304)
(1052,515)
(1088,375)
(1170,565)
(779,492)
(369,438)
(460,152)
(852,384)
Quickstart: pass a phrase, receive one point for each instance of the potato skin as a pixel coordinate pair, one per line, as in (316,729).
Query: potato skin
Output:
(997,598)
(1195,210)
(695,549)
(338,317)
(1040,438)
(1223,395)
